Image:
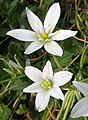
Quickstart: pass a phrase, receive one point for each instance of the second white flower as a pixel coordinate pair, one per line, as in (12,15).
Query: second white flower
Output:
(46,84)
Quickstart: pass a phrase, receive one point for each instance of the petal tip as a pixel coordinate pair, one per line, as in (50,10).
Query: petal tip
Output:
(39,110)
(56,4)
(48,62)
(75,32)
(8,33)
(25,52)
(60,54)
(24,90)
(27,9)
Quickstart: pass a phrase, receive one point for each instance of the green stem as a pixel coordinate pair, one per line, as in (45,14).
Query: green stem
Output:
(10,79)
(78,95)
(44,116)
(68,106)
(81,61)
(85,118)
(63,105)
(41,2)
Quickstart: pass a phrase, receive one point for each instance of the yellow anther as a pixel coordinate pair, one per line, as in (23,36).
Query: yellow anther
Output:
(44,35)
(47,85)
(49,25)
(37,41)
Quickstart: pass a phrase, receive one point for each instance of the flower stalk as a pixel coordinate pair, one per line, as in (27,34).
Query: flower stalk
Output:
(67,97)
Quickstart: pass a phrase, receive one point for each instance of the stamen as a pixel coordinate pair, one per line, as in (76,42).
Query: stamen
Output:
(37,41)
(48,40)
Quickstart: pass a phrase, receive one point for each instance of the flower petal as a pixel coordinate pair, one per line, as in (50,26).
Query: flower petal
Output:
(52,16)
(34,21)
(63,34)
(56,93)
(22,34)
(33,73)
(82,87)
(80,108)
(62,77)
(33,88)
(42,100)
(33,47)
(47,70)
(53,48)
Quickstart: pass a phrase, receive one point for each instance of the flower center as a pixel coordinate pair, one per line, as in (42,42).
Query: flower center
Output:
(44,35)
(43,38)
(46,84)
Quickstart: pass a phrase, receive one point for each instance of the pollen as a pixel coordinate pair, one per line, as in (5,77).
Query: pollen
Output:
(44,35)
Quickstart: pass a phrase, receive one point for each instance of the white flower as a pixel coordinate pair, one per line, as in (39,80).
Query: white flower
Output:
(81,107)
(46,84)
(42,35)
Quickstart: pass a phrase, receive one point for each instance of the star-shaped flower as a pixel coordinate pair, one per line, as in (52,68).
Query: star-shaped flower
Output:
(46,84)
(81,107)
(42,35)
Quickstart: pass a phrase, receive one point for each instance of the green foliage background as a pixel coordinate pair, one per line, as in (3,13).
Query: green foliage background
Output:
(13,103)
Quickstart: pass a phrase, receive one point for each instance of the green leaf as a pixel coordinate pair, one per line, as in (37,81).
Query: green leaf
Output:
(72,46)
(3,32)
(5,112)
(16,48)
(12,6)
(19,86)
(22,109)
(3,74)
(8,71)
(65,59)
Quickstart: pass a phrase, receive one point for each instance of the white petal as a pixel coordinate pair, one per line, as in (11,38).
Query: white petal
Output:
(63,34)
(52,16)
(56,93)
(82,87)
(33,88)
(53,48)
(34,21)
(42,100)
(80,108)
(47,71)
(33,73)
(62,77)
(22,34)
(33,47)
